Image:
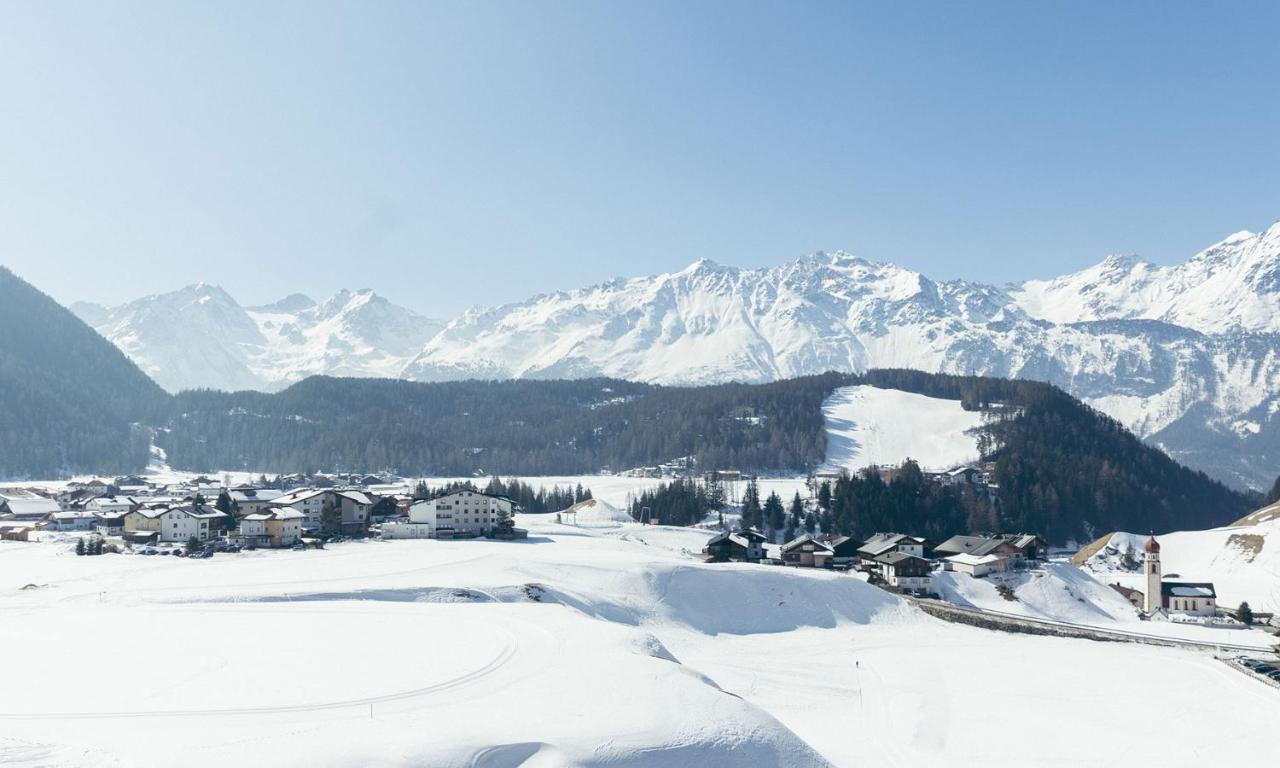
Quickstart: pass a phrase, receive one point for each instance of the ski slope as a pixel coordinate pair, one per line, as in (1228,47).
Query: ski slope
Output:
(577,647)
(871,426)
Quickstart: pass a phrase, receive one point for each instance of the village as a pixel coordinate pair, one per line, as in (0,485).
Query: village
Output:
(204,516)
(201,517)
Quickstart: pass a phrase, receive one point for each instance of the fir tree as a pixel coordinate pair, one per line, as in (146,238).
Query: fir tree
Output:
(797,511)
(330,516)
(751,513)
(1244,613)
(774,515)
(193,544)
(824,496)
(506,524)
(80,550)
(810,523)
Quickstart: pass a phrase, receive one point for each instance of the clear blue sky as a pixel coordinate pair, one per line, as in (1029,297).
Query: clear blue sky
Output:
(448,154)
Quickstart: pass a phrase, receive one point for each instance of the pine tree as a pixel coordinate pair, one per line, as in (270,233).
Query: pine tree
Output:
(797,511)
(751,514)
(506,523)
(330,516)
(810,523)
(193,544)
(80,547)
(774,515)
(824,496)
(1244,613)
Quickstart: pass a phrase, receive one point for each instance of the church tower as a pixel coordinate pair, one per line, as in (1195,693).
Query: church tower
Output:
(1152,599)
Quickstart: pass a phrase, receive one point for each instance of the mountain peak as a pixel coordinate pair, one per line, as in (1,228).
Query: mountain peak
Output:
(293,303)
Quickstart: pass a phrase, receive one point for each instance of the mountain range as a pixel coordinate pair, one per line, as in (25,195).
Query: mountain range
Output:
(1184,355)
(199,337)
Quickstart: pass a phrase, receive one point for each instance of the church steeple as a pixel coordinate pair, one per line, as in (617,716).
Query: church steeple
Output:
(1152,599)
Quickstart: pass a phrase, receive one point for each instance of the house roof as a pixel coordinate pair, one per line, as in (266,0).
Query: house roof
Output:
(300,494)
(973,545)
(31,507)
(896,558)
(1187,589)
(805,539)
(968,559)
(883,542)
(358,497)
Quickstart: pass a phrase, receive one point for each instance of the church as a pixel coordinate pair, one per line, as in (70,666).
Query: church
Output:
(1162,598)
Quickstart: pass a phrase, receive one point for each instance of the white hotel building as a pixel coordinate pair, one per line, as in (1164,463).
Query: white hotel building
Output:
(465,513)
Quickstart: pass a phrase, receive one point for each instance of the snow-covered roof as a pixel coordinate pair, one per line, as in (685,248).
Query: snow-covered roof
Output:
(357,496)
(32,507)
(265,494)
(966,559)
(1187,589)
(300,494)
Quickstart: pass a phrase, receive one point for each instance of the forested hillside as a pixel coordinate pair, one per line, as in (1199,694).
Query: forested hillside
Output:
(68,397)
(509,427)
(1064,469)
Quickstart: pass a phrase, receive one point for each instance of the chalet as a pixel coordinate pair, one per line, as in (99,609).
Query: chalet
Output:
(844,549)
(962,476)
(746,545)
(109,523)
(807,552)
(884,543)
(94,486)
(979,547)
(1030,546)
(250,501)
(71,520)
(280,527)
(975,565)
(308,501)
(144,519)
(176,523)
(110,504)
(905,571)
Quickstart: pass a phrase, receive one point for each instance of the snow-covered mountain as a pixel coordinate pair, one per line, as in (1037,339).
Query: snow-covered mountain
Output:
(1186,355)
(200,336)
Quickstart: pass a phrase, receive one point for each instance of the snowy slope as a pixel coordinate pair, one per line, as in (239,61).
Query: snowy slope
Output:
(200,336)
(575,648)
(1243,561)
(871,426)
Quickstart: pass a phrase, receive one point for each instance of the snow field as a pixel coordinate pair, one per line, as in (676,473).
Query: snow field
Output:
(577,647)
(871,426)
